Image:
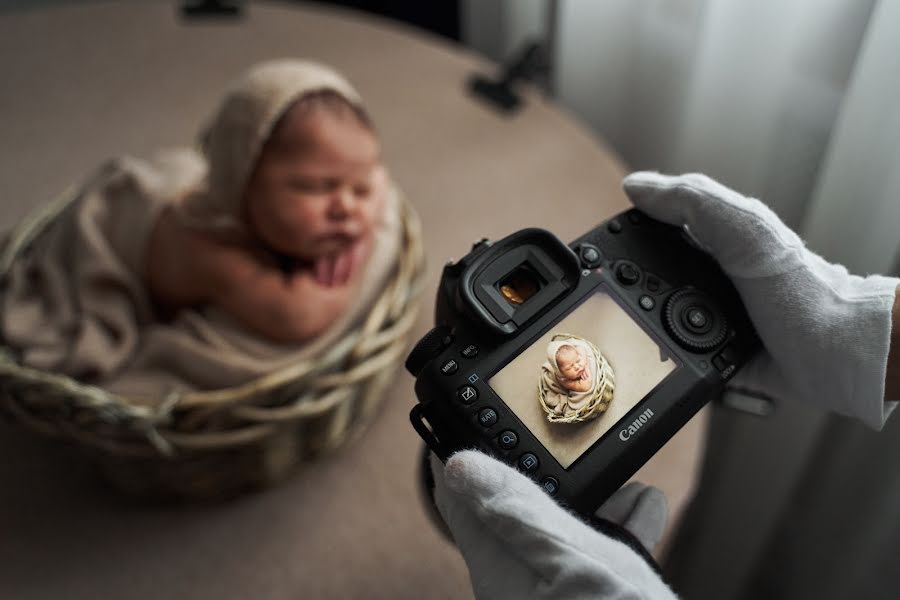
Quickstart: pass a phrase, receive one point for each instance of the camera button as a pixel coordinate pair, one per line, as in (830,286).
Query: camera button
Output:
(508,439)
(550,485)
(470,351)
(628,274)
(724,361)
(482,243)
(652,283)
(528,462)
(697,318)
(590,255)
(487,417)
(614,226)
(727,353)
(646,302)
(467,394)
(450,367)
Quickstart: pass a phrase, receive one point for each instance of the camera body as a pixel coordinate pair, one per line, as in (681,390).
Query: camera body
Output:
(576,363)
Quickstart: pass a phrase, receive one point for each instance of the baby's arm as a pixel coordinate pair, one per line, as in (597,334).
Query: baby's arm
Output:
(564,383)
(288,309)
(186,268)
(575,385)
(581,385)
(570,384)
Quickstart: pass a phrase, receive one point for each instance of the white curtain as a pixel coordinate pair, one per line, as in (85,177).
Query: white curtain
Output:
(748,92)
(796,102)
(855,210)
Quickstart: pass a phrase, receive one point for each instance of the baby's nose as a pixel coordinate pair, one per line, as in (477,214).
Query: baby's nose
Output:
(343,202)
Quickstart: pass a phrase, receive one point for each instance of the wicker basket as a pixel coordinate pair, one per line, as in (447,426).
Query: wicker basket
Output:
(214,444)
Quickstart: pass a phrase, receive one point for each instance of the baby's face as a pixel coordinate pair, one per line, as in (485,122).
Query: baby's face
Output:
(318,185)
(571,363)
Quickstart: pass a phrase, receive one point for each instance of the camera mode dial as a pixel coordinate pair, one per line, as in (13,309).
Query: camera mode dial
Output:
(695,322)
(433,343)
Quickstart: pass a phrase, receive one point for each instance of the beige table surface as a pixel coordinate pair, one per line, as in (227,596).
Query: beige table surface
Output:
(79,84)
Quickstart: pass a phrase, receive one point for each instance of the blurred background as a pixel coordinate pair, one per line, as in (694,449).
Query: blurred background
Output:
(794,102)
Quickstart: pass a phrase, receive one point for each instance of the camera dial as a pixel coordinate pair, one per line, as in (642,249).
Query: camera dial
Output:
(694,321)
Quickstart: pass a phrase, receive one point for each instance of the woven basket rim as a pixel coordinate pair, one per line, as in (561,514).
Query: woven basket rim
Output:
(376,342)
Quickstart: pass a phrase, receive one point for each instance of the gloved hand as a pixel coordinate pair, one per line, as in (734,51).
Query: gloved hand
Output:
(826,332)
(519,543)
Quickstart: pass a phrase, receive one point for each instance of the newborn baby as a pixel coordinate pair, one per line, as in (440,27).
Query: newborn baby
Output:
(280,250)
(576,382)
(574,369)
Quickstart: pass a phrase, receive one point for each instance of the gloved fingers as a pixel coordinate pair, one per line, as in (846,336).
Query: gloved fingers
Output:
(495,571)
(509,505)
(519,543)
(494,490)
(639,508)
(741,233)
(673,199)
(495,566)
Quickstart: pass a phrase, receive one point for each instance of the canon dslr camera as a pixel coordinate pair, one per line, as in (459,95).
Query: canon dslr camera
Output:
(576,363)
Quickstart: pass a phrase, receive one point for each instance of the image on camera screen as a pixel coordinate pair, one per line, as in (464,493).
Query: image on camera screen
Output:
(580,378)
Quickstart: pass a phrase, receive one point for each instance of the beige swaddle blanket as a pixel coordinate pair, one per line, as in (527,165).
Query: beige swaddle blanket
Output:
(77,304)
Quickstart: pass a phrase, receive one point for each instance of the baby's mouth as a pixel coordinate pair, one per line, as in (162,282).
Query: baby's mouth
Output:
(337,242)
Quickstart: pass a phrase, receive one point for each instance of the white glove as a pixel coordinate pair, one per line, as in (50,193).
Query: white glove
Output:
(826,333)
(519,543)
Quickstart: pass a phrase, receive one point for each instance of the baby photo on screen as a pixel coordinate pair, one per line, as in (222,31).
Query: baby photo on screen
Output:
(574,383)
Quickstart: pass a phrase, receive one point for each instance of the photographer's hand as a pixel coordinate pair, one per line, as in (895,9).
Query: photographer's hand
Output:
(519,543)
(826,332)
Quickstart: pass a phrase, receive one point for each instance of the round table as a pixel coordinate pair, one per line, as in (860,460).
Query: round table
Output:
(84,83)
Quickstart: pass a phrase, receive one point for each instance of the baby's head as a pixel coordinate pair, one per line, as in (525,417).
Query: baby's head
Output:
(318,183)
(293,160)
(571,361)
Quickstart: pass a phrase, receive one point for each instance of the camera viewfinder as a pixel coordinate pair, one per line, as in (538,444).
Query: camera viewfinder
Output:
(520,285)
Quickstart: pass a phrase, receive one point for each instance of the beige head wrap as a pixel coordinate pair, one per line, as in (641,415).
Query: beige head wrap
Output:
(232,142)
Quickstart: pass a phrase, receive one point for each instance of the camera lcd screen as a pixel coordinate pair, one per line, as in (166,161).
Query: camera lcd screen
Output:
(580,378)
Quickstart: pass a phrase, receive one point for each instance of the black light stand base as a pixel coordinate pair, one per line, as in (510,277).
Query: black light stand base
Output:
(498,94)
(530,64)
(215,9)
